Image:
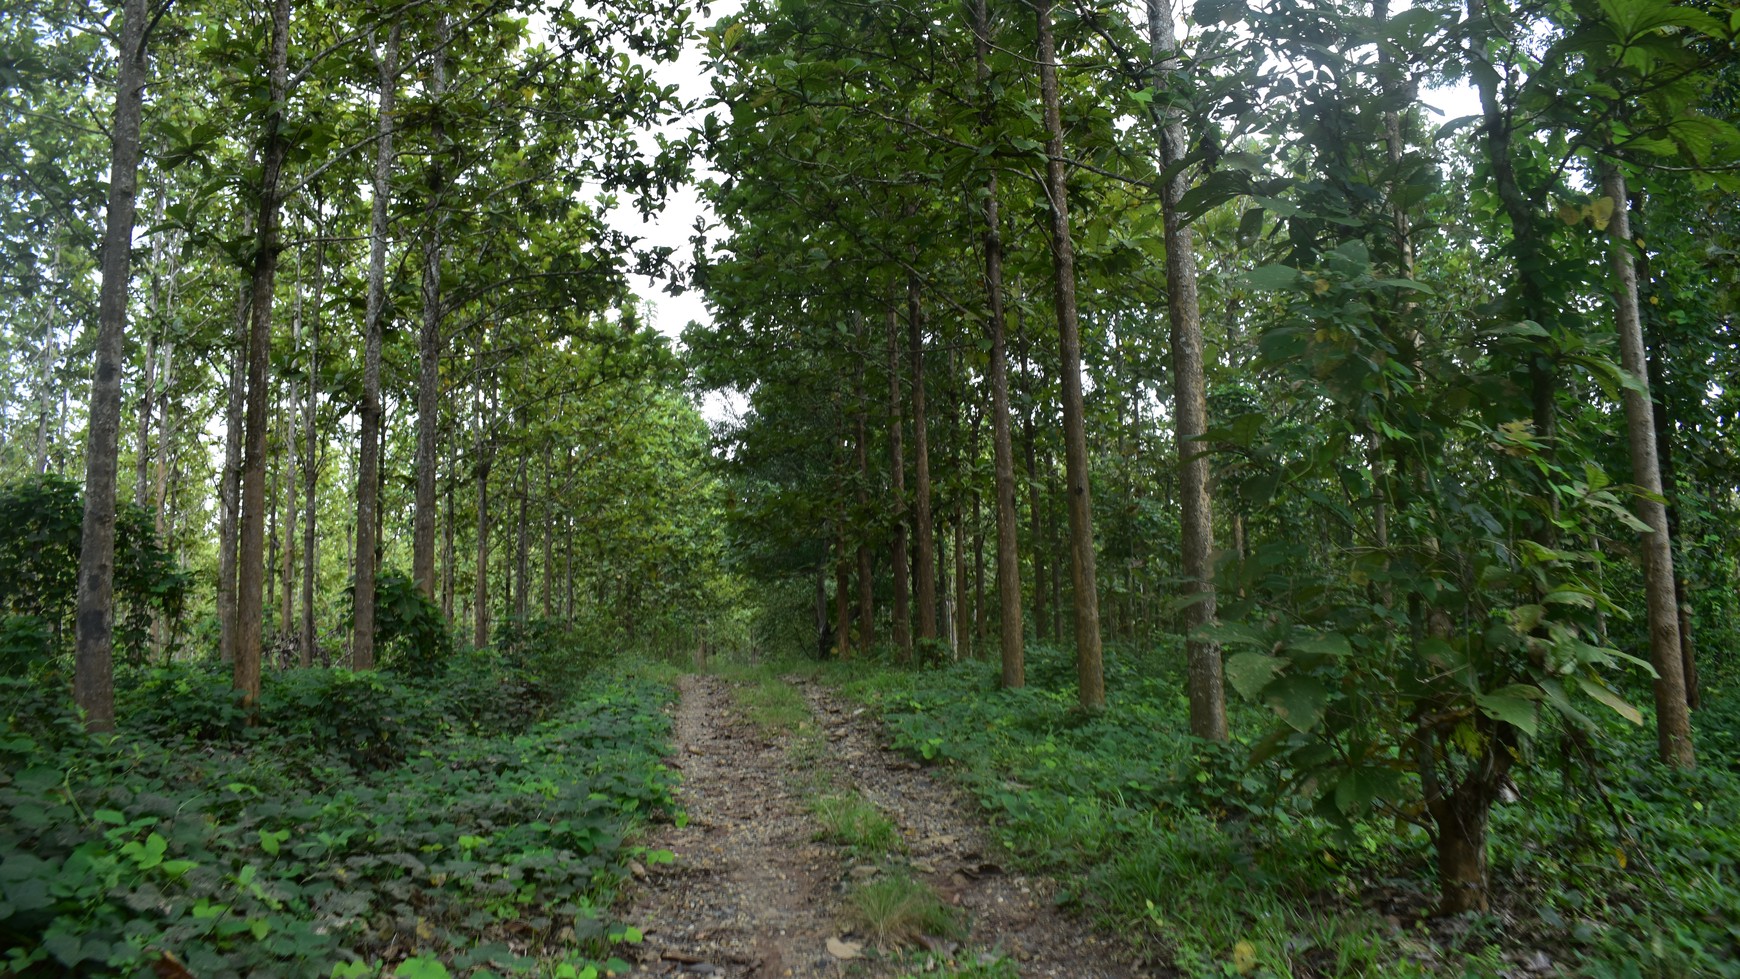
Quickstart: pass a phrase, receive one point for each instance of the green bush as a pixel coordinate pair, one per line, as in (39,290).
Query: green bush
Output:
(296,846)
(41,524)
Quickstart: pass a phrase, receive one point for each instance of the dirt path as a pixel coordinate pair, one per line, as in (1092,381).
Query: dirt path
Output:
(752,893)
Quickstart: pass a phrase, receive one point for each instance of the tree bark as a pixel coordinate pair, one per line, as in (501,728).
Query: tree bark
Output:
(1012,637)
(923,530)
(230,484)
(897,467)
(429,339)
(1664,443)
(842,592)
(1673,723)
(310,468)
(1035,513)
(93,676)
(1088,657)
(861,456)
(1190,401)
(362,642)
(250,577)
(522,550)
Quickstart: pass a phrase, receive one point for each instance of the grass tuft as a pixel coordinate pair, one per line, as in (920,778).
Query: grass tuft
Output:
(897,908)
(851,820)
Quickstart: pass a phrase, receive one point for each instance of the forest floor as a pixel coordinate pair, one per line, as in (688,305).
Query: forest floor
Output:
(810,850)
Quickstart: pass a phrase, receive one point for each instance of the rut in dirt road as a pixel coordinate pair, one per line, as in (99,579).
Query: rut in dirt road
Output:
(752,893)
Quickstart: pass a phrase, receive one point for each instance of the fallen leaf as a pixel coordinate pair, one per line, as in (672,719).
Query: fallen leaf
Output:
(843,949)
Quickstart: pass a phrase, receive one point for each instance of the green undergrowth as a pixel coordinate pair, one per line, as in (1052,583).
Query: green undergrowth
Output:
(1180,840)
(475,823)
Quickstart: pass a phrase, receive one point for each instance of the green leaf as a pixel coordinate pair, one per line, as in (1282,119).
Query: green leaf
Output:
(1411,284)
(1596,690)
(1514,705)
(1332,644)
(1268,278)
(1359,787)
(1249,673)
(1298,700)
(421,967)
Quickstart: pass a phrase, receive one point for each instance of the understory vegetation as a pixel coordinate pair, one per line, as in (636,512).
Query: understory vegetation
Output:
(1607,866)
(476,822)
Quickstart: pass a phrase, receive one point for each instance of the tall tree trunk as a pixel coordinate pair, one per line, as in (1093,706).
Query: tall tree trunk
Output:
(250,575)
(897,468)
(923,530)
(292,413)
(447,576)
(362,642)
(93,677)
(147,405)
(522,566)
(1190,400)
(310,468)
(842,590)
(1035,512)
(1011,638)
(1089,669)
(861,456)
(1673,723)
(548,520)
(429,339)
(480,609)
(485,457)
(230,484)
(1664,443)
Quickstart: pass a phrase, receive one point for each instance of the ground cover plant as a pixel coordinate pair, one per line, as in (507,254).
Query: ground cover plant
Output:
(1603,865)
(363,823)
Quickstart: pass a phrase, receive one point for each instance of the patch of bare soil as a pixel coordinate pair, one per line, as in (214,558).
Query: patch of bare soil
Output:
(752,894)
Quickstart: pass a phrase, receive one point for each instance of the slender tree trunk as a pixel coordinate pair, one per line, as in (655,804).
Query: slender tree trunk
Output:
(1190,401)
(897,469)
(147,404)
(861,455)
(980,615)
(480,611)
(485,457)
(362,642)
(311,469)
(1011,638)
(250,576)
(1673,721)
(93,676)
(842,590)
(165,447)
(447,575)
(924,531)
(522,566)
(429,340)
(1092,692)
(292,412)
(230,484)
(1664,441)
(549,535)
(1035,512)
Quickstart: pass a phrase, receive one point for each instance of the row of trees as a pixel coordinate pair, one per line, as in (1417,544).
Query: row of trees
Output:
(983,259)
(352,302)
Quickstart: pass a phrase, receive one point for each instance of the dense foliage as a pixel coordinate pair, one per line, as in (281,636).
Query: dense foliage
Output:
(470,820)
(1607,866)
(40,521)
